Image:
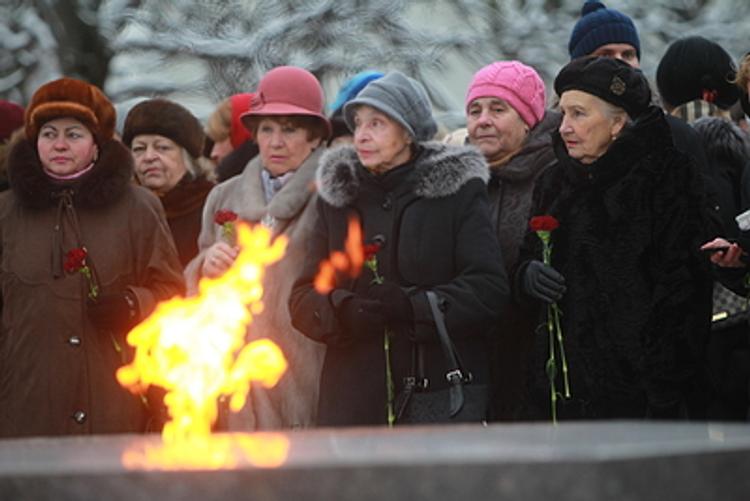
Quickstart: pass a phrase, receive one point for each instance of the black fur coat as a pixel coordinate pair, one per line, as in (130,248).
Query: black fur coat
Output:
(635,315)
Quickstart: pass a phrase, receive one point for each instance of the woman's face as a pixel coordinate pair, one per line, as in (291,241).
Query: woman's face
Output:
(65,146)
(381,142)
(283,146)
(159,163)
(585,128)
(495,127)
(221,149)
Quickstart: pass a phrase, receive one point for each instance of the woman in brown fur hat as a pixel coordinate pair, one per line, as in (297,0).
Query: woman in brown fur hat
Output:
(166,141)
(85,256)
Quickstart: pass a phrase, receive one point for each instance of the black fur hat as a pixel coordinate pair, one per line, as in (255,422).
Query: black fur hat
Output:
(610,79)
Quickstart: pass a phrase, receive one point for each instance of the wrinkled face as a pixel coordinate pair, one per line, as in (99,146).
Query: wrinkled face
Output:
(283,146)
(220,150)
(65,146)
(381,142)
(622,51)
(159,164)
(495,127)
(585,128)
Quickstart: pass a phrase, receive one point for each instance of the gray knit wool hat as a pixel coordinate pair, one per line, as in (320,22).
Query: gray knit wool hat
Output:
(401,98)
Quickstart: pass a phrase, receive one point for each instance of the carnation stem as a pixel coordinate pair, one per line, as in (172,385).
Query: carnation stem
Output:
(551,368)
(388,379)
(563,360)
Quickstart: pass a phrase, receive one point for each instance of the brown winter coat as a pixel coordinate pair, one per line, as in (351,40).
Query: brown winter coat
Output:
(511,190)
(57,372)
(291,212)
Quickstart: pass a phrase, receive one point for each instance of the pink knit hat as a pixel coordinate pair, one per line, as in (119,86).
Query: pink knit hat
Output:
(515,83)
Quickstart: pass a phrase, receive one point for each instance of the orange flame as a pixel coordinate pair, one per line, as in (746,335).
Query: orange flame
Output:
(264,450)
(188,347)
(349,261)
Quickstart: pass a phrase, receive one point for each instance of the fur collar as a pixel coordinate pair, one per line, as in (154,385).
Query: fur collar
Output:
(102,186)
(441,170)
(723,140)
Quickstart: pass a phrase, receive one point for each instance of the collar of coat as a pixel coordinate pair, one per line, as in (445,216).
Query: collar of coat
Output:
(723,140)
(187,196)
(535,154)
(102,186)
(290,199)
(440,170)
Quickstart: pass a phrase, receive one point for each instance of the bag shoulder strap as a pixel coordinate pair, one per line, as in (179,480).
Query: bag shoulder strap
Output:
(455,375)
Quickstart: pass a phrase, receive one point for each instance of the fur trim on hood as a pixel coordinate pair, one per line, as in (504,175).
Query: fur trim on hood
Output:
(103,185)
(723,140)
(441,171)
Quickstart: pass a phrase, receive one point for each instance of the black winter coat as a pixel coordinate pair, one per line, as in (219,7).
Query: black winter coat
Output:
(433,213)
(635,319)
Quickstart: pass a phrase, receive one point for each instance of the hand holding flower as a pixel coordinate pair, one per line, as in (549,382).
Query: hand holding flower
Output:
(218,259)
(543,282)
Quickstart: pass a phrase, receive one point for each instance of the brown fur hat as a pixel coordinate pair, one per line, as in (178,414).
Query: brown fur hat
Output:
(69,97)
(165,118)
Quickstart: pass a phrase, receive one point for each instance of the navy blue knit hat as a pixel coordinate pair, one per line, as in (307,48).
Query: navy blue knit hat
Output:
(601,26)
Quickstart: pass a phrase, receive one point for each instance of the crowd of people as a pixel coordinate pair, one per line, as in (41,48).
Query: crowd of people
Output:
(563,258)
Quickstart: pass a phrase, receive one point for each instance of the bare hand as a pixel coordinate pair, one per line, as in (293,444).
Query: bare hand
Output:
(218,259)
(724,253)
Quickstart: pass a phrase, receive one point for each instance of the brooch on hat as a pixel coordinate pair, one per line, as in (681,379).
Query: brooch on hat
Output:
(617,86)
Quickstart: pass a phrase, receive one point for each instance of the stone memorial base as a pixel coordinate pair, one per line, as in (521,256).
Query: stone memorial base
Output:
(579,461)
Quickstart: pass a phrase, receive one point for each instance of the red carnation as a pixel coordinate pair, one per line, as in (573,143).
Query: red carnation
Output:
(544,223)
(75,259)
(370,250)
(224,216)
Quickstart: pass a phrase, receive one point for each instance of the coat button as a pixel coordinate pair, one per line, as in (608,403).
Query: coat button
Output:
(79,417)
(74,341)
(387,204)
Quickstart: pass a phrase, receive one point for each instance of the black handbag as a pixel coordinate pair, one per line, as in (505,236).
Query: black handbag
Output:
(729,309)
(461,402)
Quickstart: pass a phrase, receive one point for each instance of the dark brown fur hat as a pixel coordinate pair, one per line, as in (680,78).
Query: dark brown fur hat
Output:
(69,97)
(165,118)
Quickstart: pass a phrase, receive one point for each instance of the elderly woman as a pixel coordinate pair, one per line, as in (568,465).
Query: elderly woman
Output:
(85,256)
(275,189)
(506,120)
(625,270)
(166,141)
(424,206)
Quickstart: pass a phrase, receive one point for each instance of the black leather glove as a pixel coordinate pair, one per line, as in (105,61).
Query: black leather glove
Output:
(543,282)
(397,307)
(359,316)
(114,312)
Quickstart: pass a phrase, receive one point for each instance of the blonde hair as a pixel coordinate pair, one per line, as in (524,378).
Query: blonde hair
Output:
(743,74)
(219,124)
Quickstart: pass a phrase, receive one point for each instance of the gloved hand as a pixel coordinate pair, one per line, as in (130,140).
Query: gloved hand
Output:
(397,307)
(116,312)
(359,316)
(541,281)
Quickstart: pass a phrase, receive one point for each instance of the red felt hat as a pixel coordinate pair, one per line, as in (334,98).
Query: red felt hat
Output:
(11,119)
(287,90)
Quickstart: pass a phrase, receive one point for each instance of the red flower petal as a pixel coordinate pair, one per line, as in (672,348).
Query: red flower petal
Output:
(544,223)
(225,216)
